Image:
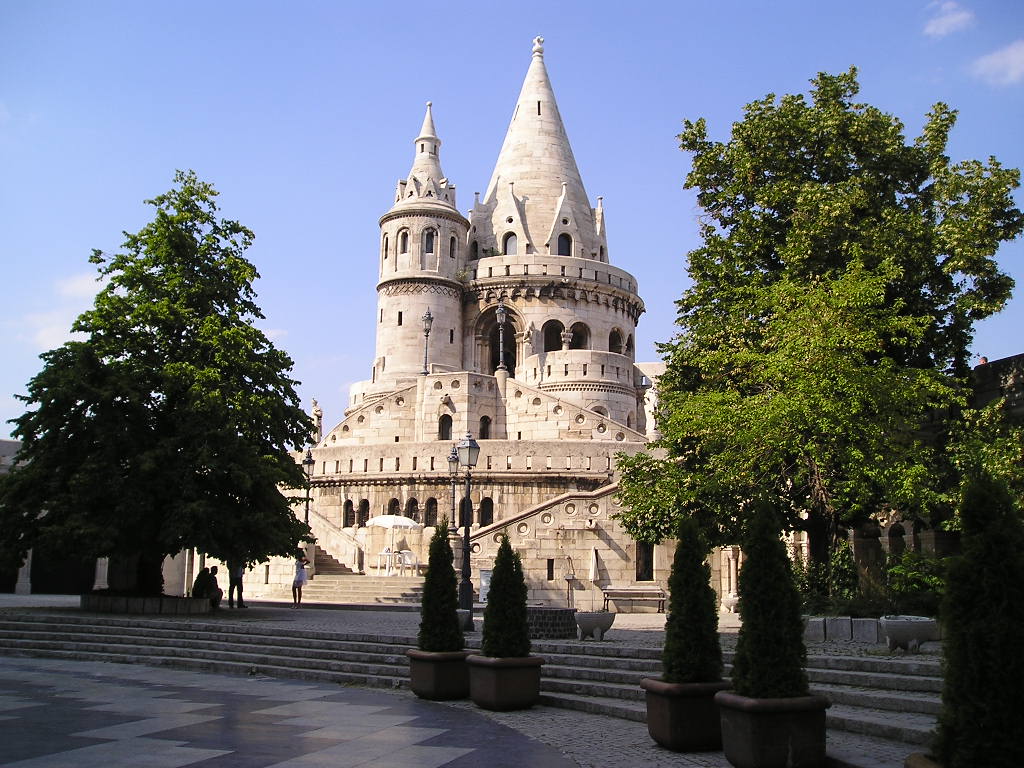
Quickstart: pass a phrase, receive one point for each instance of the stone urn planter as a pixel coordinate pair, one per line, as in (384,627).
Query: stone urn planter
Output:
(683,717)
(908,632)
(773,733)
(438,675)
(503,683)
(594,623)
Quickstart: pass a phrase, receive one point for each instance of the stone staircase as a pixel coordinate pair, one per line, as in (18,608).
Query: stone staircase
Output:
(327,565)
(892,699)
(350,589)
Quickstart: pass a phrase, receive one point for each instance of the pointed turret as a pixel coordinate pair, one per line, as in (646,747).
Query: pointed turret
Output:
(426,182)
(535,191)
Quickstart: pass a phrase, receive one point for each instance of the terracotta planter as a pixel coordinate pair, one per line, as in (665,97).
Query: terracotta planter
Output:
(773,733)
(683,717)
(438,675)
(502,684)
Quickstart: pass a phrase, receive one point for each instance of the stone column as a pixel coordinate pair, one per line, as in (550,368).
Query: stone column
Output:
(732,570)
(24,585)
(102,566)
(566,339)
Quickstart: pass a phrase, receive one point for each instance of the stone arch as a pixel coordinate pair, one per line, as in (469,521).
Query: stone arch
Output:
(551,332)
(394,507)
(348,515)
(600,409)
(510,244)
(453,247)
(580,336)
(487,338)
(484,433)
(403,241)
(444,427)
(485,513)
(430,246)
(474,251)
(364,512)
(412,509)
(615,341)
(430,515)
(629,346)
(565,244)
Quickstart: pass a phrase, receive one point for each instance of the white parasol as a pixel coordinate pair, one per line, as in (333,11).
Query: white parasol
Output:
(393,522)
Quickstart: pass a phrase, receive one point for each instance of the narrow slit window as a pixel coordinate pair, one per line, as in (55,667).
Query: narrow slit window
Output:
(538,107)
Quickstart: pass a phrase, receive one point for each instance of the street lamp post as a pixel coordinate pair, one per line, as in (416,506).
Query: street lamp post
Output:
(453,468)
(307,464)
(501,315)
(428,320)
(468,451)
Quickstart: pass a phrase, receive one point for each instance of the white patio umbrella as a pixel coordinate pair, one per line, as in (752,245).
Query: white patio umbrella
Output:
(393,522)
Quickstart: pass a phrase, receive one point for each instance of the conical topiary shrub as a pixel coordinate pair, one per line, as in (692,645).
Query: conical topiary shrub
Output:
(770,650)
(769,720)
(437,669)
(505,676)
(983,633)
(506,629)
(681,712)
(692,653)
(439,621)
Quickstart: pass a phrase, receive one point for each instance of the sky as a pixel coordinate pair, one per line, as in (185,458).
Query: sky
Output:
(303,114)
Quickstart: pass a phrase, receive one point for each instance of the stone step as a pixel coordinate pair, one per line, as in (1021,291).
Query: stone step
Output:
(889,701)
(908,728)
(882,680)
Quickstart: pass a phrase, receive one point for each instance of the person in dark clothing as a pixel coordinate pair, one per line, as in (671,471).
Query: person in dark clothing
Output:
(236,570)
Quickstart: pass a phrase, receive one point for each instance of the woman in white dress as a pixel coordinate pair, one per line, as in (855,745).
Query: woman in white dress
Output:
(300,578)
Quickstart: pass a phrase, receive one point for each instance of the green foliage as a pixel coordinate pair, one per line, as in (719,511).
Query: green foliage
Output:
(506,631)
(915,583)
(984,633)
(770,650)
(829,318)
(439,619)
(168,426)
(692,653)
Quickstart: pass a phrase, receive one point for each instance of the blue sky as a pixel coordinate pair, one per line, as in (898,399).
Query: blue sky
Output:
(302,114)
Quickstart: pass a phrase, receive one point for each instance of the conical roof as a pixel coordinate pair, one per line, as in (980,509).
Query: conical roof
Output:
(537,167)
(426,183)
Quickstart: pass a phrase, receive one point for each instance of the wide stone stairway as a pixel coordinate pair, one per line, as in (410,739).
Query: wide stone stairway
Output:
(888,698)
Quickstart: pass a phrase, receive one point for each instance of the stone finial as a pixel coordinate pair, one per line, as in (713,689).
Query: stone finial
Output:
(538,46)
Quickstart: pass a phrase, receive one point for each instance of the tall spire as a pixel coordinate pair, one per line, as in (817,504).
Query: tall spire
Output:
(426,182)
(548,197)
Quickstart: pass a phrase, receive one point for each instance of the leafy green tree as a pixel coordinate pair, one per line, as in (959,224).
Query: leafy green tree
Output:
(692,652)
(983,619)
(506,630)
(826,333)
(168,426)
(439,619)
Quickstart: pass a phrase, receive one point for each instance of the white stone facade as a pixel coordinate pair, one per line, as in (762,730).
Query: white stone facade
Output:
(549,422)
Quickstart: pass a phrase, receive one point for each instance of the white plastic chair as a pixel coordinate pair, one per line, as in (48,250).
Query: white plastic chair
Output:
(408,560)
(386,556)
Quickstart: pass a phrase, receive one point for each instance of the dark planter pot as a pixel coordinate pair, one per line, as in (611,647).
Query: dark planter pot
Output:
(683,717)
(502,684)
(921,760)
(438,675)
(773,733)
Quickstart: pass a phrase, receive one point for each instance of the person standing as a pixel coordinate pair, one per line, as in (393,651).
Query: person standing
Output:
(301,577)
(236,570)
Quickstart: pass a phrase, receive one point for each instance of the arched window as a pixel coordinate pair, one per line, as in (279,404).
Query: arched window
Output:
(474,251)
(601,254)
(485,428)
(364,512)
(629,345)
(601,410)
(615,341)
(564,245)
(430,517)
(348,519)
(510,244)
(465,512)
(444,427)
(452,247)
(394,507)
(580,336)
(486,514)
(428,240)
(552,331)
(403,241)
(629,420)
(385,249)
(412,510)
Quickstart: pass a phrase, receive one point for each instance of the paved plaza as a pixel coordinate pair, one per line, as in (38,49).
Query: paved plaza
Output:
(83,713)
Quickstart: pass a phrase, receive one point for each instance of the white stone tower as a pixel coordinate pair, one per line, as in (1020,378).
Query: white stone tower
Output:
(422,242)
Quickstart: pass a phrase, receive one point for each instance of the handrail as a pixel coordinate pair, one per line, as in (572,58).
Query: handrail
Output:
(337,540)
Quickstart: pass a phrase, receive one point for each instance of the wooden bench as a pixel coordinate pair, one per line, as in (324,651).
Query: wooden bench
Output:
(643,594)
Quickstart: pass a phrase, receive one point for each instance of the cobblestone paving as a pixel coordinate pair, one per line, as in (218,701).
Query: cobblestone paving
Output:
(591,741)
